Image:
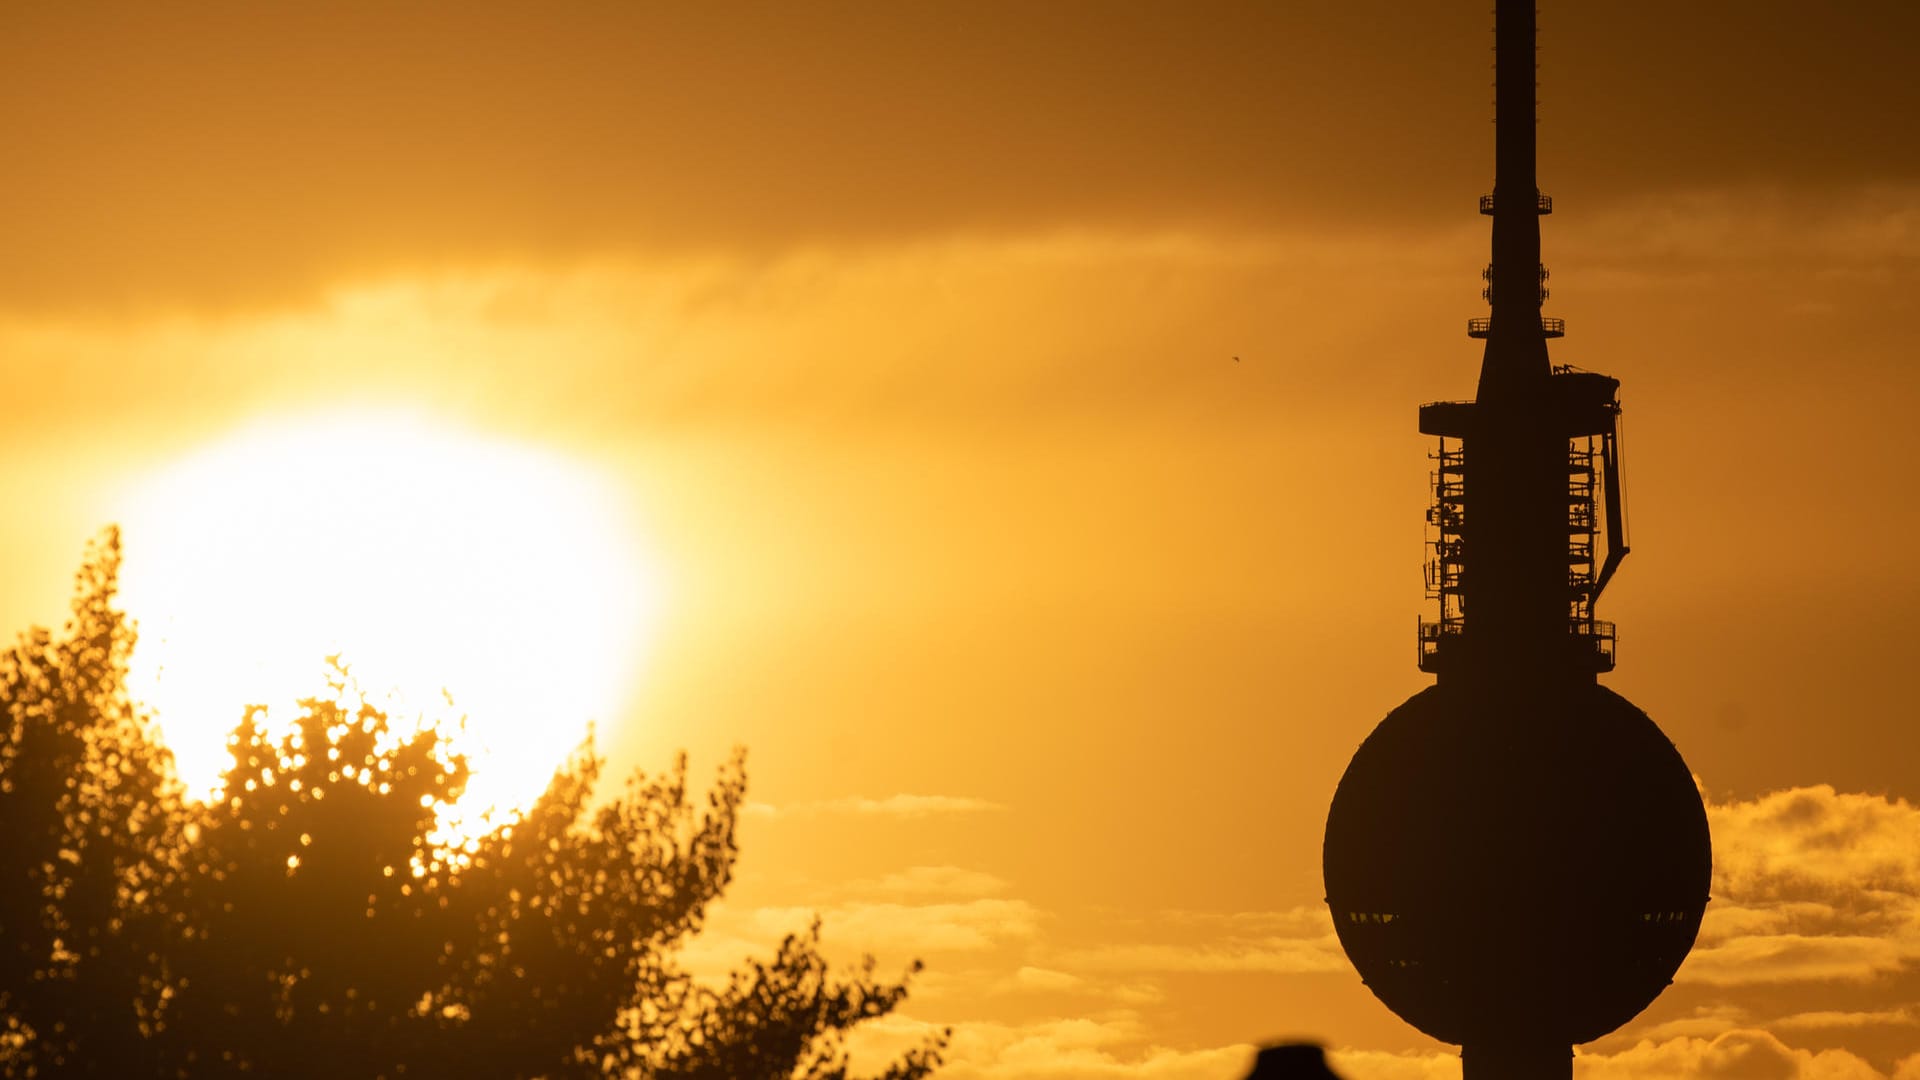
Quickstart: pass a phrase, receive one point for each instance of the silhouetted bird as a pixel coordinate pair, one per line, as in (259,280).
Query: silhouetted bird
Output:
(1292,1061)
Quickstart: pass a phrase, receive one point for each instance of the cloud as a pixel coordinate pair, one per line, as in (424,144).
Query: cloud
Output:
(915,929)
(1038,325)
(1297,941)
(1813,839)
(625,130)
(1828,1018)
(1021,326)
(1790,957)
(1042,980)
(895,932)
(633,129)
(1118,1048)
(1386,1065)
(1281,957)
(1872,1033)
(1034,978)
(918,881)
(1703,1021)
(894,806)
(1115,1047)
(1752,226)
(1810,884)
(1744,1054)
(1813,887)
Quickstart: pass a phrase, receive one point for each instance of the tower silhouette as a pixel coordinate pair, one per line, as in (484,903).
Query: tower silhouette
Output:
(1517,858)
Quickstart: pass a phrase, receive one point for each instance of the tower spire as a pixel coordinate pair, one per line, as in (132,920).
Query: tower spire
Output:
(1516,354)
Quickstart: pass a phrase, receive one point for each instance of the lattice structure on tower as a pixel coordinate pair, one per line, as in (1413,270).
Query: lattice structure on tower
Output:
(1446,549)
(1596,510)
(1588,408)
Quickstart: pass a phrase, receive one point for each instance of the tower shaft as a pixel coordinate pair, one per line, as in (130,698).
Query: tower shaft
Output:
(1516,590)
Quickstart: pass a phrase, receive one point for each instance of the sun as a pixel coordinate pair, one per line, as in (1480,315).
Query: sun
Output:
(440,564)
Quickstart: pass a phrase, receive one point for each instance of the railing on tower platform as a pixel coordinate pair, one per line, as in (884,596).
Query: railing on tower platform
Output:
(1553,328)
(1545,204)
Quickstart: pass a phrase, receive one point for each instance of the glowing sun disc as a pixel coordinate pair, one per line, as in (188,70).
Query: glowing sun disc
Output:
(433,559)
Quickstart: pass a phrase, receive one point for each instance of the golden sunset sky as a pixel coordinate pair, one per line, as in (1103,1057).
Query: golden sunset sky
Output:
(901,339)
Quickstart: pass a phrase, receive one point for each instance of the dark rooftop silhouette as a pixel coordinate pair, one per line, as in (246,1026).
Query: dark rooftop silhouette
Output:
(1292,1061)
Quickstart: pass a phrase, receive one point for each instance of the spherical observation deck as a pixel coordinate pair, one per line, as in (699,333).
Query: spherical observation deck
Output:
(1504,861)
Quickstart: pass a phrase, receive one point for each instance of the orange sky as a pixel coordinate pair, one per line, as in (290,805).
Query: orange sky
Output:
(909,332)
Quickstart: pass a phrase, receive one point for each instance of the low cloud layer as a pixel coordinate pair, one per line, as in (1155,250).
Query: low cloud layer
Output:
(1742,1054)
(1745,1054)
(1106,1048)
(1118,1048)
(1813,889)
(1811,884)
(1299,941)
(894,806)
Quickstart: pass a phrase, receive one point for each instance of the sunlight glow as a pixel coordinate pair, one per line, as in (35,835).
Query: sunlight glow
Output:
(439,563)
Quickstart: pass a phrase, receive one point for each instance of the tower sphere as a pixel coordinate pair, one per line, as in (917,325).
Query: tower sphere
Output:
(1534,857)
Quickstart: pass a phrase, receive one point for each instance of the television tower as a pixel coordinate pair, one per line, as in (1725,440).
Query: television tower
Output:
(1517,858)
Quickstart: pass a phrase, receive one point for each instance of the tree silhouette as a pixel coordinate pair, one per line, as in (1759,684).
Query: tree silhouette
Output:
(91,828)
(309,921)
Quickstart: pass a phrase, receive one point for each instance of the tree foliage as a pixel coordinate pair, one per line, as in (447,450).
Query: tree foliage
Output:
(309,921)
